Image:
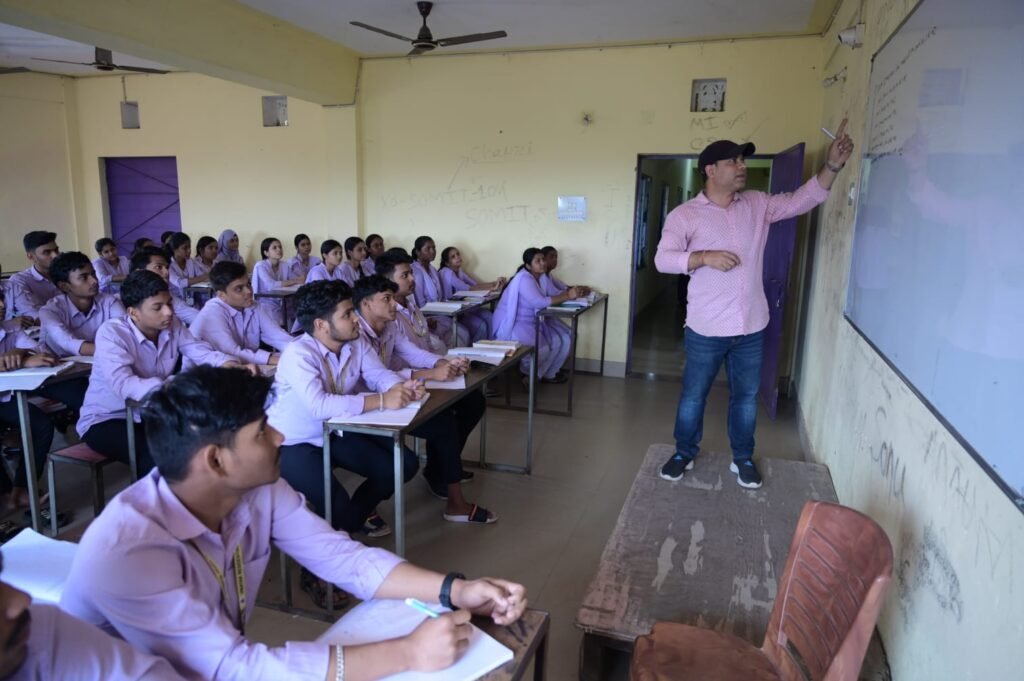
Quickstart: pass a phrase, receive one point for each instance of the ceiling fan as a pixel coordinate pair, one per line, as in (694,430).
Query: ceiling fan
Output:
(105,62)
(424,40)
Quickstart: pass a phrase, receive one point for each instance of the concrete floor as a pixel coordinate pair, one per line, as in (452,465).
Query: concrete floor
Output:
(553,524)
(657,346)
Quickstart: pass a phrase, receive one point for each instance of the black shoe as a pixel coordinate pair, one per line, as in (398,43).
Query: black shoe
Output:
(676,466)
(467,476)
(746,473)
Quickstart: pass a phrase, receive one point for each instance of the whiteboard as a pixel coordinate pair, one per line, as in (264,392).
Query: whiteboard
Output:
(937,273)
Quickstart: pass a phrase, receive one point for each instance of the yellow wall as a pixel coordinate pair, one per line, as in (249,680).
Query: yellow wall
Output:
(232,172)
(35,178)
(953,612)
(474,150)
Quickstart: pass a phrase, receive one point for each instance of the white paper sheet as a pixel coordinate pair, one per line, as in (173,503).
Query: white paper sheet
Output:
(30,379)
(457,383)
(38,565)
(388,417)
(381,620)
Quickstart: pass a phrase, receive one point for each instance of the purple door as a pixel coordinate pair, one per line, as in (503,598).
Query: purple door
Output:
(142,197)
(787,173)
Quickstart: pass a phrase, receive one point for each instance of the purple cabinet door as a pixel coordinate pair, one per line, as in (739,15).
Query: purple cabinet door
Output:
(787,172)
(142,199)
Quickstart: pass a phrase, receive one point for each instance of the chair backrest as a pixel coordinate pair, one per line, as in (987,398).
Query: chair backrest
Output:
(837,573)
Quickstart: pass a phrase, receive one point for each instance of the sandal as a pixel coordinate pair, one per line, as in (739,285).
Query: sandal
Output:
(44,514)
(477,515)
(8,530)
(317,591)
(375,526)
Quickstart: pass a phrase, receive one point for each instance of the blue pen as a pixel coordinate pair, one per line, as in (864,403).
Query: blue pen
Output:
(422,607)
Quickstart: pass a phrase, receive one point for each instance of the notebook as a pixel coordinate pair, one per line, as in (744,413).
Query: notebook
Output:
(38,565)
(380,620)
(30,379)
(388,417)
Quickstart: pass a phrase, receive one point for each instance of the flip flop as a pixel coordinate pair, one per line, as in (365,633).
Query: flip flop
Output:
(477,515)
(44,514)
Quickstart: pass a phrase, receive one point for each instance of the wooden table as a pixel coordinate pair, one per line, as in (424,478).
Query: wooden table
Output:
(573,314)
(468,305)
(701,551)
(527,639)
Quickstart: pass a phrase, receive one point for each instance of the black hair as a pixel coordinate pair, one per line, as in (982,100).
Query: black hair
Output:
(174,242)
(203,242)
(368,287)
(140,243)
(300,237)
(103,243)
(266,244)
(528,255)
(66,263)
(165,235)
(34,240)
(373,237)
(139,285)
(548,250)
(393,257)
(203,406)
(225,272)
(350,244)
(142,257)
(328,246)
(420,242)
(445,253)
(319,300)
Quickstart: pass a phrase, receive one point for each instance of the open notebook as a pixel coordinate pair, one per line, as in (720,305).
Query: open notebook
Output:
(30,379)
(38,565)
(388,417)
(380,620)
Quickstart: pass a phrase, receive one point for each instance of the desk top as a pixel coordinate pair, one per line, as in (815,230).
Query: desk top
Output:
(570,310)
(283,292)
(469,304)
(522,638)
(701,551)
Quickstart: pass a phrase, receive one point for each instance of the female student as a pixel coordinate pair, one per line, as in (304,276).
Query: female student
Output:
(354,269)
(428,289)
(453,279)
(206,253)
(330,268)
(548,283)
(142,242)
(303,262)
(271,273)
(228,243)
(374,249)
(184,270)
(515,318)
(111,268)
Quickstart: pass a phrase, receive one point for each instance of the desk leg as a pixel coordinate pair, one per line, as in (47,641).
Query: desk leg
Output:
(328,506)
(455,331)
(30,459)
(399,497)
(540,659)
(530,400)
(133,462)
(604,335)
(572,359)
(535,365)
(483,436)
(286,580)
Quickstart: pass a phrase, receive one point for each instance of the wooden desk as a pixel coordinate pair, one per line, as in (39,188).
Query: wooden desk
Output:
(469,305)
(573,314)
(284,294)
(527,639)
(701,551)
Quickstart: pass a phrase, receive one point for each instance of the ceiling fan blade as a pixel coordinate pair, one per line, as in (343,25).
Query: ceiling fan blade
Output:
(472,38)
(380,30)
(5,70)
(63,61)
(416,51)
(138,69)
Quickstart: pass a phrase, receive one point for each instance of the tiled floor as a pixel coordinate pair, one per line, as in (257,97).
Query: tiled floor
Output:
(554,523)
(657,346)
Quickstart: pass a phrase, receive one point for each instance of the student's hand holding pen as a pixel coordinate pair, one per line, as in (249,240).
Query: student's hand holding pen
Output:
(461,365)
(444,370)
(418,387)
(399,395)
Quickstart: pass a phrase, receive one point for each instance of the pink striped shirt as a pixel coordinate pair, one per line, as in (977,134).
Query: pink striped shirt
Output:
(728,303)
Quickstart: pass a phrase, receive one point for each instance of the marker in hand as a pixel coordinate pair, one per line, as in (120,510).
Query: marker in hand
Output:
(421,607)
(830,135)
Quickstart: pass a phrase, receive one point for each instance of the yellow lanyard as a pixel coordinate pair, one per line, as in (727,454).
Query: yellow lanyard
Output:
(330,374)
(239,582)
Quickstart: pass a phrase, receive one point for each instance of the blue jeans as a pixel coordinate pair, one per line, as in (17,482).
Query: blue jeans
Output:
(704,356)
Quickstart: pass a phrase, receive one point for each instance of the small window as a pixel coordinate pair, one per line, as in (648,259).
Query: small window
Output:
(275,111)
(707,94)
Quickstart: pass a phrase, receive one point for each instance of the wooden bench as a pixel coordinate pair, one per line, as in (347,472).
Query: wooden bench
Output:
(702,551)
(78,455)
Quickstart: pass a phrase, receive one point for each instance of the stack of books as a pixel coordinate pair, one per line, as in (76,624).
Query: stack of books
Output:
(442,308)
(492,356)
(469,295)
(507,346)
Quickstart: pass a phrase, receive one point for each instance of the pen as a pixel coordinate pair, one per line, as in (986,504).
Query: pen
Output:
(422,607)
(830,135)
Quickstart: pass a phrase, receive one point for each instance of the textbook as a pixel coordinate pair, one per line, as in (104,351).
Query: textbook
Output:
(38,565)
(30,379)
(493,356)
(443,308)
(381,620)
(509,347)
(469,294)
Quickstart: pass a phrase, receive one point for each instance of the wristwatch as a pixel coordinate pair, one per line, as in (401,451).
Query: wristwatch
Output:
(833,168)
(445,597)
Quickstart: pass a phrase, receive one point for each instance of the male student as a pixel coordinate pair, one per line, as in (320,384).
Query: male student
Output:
(396,265)
(134,355)
(231,321)
(69,321)
(174,562)
(28,290)
(155,260)
(41,641)
(446,433)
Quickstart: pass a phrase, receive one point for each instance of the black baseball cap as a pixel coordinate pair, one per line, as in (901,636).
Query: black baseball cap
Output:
(722,150)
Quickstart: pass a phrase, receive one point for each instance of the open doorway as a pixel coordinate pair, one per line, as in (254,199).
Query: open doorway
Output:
(658,310)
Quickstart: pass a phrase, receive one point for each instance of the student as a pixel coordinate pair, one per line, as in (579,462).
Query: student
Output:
(454,278)
(28,290)
(396,265)
(110,267)
(69,322)
(228,247)
(447,432)
(374,249)
(330,268)
(353,269)
(303,261)
(516,317)
(143,568)
(428,290)
(154,260)
(549,284)
(233,324)
(134,354)
(142,242)
(165,236)
(206,253)
(184,271)
(41,641)
(272,273)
